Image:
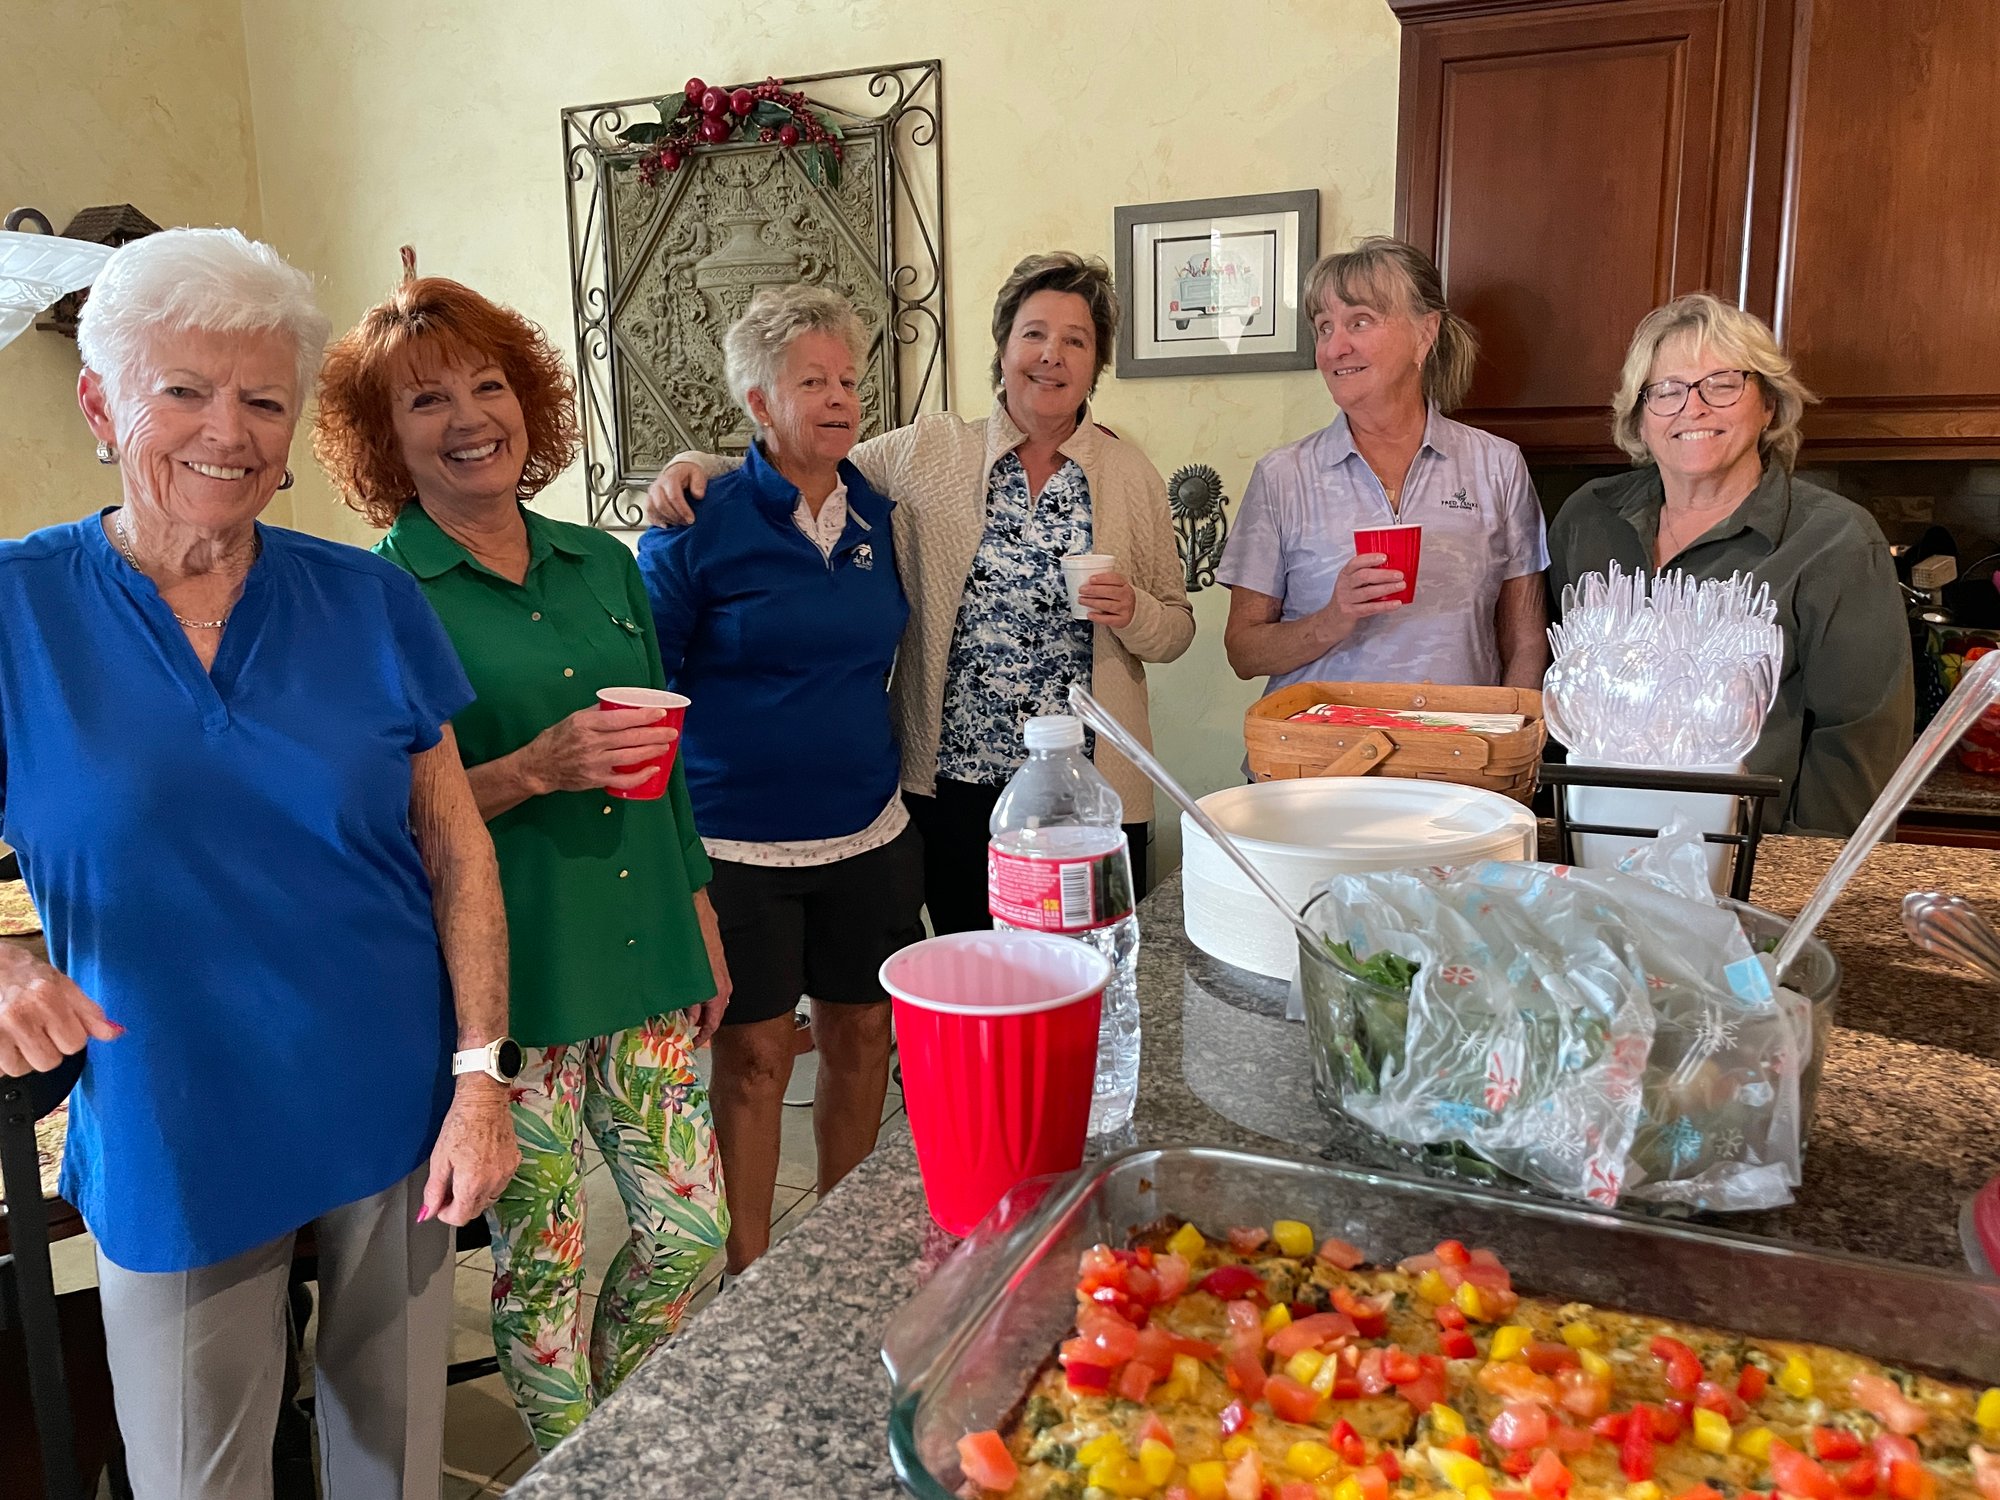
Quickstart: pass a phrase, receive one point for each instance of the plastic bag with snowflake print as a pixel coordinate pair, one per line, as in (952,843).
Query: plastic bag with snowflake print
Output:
(1602,1035)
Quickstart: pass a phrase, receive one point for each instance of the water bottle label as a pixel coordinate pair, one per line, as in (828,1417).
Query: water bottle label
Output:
(1059,895)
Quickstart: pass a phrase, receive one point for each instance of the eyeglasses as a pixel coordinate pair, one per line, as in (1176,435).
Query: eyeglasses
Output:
(1668,398)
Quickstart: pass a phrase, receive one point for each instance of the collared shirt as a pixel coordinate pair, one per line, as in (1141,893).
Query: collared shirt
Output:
(823,530)
(601,925)
(1482,524)
(224,862)
(1015,651)
(1845,705)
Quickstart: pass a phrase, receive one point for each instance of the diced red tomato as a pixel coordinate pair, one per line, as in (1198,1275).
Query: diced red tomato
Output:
(1880,1398)
(1512,1381)
(1244,1319)
(1248,1239)
(1340,1255)
(1155,1429)
(1289,1400)
(1310,1333)
(1797,1475)
(1136,1379)
(1752,1383)
(1370,1374)
(1720,1399)
(1564,1438)
(1244,1367)
(1297,1489)
(1520,1425)
(1158,1346)
(1583,1394)
(1684,1370)
(1985,1471)
(1452,1253)
(1106,1331)
(1611,1426)
(1082,1352)
(1517,1464)
(1100,1266)
(1449,1315)
(1891,1446)
(1549,1479)
(1245,1480)
(1468,1445)
(1545,1358)
(1231,1283)
(1374,1483)
(1836,1443)
(1456,1343)
(1635,1450)
(1428,1388)
(1172,1272)
(1141,1285)
(1669,1420)
(1353,1452)
(1911,1481)
(1235,1417)
(1342,1432)
(1862,1477)
(1416,1265)
(986,1461)
(1700,1492)
(1087,1378)
(1400,1366)
(1370,1320)
(1390,1465)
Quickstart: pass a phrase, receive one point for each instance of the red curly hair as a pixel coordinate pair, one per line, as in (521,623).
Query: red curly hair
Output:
(426,323)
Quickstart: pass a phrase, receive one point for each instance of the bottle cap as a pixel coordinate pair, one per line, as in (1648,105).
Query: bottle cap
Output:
(1052,732)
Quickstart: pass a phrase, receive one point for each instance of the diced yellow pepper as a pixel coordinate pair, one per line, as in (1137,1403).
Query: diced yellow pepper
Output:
(1121,1476)
(1711,1430)
(1294,1238)
(1348,1489)
(1445,1422)
(1329,1372)
(1581,1336)
(1234,1448)
(1595,1365)
(1796,1379)
(1458,1471)
(1187,1242)
(1479,1492)
(1304,1365)
(1987,1412)
(1310,1460)
(1431,1287)
(1208,1480)
(1276,1316)
(1470,1301)
(1156,1461)
(1510,1339)
(1104,1445)
(1756,1443)
(1181,1383)
(1644,1489)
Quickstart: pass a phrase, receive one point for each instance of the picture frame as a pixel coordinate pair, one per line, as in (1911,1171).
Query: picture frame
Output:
(1211,286)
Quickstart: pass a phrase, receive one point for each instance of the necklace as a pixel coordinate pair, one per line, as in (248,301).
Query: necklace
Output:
(125,546)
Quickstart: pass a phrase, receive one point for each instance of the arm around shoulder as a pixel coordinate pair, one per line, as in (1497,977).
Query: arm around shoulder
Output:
(1162,625)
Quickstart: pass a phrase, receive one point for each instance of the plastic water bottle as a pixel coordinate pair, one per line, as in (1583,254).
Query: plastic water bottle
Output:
(1058,863)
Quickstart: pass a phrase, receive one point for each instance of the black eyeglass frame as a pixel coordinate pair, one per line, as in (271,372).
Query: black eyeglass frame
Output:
(1646,392)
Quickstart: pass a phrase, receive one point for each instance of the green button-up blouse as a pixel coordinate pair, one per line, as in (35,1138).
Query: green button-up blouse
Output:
(599,890)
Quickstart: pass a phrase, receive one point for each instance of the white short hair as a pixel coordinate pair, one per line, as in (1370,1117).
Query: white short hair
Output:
(202,280)
(755,345)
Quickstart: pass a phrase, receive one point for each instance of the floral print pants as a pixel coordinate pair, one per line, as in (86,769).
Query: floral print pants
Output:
(637,1094)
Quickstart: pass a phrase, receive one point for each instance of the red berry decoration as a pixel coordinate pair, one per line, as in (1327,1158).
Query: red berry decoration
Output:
(788,135)
(714,102)
(694,90)
(670,160)
(741,102)
(714,131)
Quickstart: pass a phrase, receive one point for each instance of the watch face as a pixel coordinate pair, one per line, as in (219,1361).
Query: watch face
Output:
(507,1058)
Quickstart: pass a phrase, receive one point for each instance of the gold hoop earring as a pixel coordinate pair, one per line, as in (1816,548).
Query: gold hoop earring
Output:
(286,482)
(106,454)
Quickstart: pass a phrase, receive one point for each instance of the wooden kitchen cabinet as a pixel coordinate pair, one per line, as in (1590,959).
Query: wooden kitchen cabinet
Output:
(1833,165)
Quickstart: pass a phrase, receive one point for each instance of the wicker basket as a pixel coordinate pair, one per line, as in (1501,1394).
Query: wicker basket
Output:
(1507,763)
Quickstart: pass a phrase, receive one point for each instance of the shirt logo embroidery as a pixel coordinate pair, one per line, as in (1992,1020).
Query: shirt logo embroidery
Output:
(864,557)
(1459,502)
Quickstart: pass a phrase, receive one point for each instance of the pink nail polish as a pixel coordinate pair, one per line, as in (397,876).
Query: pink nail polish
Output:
(423,1213)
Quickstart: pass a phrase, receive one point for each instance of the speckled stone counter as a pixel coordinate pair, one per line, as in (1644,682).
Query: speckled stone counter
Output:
(777,1387)
(1952,794)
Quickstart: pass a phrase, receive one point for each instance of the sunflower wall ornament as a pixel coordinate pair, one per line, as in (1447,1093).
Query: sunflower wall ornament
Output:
(1201,523)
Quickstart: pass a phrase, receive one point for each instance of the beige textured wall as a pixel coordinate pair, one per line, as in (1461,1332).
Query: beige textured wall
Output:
(379,123)
(121,101)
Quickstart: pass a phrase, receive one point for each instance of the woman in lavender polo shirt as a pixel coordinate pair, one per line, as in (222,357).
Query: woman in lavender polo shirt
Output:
(1303,606)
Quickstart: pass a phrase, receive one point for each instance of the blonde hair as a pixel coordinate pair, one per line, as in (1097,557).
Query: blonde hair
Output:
(1741,340)
(1395,276)
(754,347)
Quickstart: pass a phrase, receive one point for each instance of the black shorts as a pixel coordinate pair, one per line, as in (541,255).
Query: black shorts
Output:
(819,930)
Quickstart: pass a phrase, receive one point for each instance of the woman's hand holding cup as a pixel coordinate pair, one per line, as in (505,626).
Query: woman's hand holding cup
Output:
(584,751)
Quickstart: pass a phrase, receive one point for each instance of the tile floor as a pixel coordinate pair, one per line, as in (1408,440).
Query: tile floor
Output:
(485,1446)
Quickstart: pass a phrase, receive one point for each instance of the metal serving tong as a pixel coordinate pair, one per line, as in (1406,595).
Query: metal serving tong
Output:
(1951,927)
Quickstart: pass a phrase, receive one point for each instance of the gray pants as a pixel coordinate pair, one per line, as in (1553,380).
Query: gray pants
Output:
(198,1359)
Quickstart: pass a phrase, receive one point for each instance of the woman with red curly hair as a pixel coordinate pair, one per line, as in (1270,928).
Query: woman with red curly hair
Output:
(439,414)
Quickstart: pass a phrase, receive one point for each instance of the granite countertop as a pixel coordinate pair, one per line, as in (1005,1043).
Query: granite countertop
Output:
(777,1387)
(1953,791)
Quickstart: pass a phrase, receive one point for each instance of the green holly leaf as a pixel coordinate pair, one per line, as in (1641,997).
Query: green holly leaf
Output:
(810,155)
(642,132)
(832,164)
(768,114)
(831,129)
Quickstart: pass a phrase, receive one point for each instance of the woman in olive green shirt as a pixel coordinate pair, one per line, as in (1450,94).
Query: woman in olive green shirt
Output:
(441,398)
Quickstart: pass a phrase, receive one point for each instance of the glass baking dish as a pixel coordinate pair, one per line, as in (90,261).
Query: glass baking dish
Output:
(962,1352)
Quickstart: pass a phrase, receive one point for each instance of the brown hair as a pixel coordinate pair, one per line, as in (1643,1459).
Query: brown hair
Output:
(427,322)
(1084,276)
(1393,275)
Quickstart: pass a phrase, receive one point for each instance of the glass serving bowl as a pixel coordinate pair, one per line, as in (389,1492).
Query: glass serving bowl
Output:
(963,1352)
(1355,1027)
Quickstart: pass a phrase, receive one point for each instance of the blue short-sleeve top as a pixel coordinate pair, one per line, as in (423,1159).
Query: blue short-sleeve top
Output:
(224,861)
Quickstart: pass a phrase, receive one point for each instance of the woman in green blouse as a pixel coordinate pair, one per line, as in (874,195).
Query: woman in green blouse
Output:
(439,413)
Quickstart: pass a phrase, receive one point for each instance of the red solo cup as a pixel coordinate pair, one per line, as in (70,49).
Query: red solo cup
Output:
(1402,545)
(998,1035)
(673,709)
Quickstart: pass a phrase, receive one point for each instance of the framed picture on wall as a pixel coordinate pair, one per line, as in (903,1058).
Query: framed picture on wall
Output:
(1211,286)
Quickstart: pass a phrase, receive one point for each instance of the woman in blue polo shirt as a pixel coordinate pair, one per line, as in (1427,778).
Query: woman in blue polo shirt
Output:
(778,612)
(272,909)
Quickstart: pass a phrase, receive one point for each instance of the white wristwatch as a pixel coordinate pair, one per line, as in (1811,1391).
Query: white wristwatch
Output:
(499,1060)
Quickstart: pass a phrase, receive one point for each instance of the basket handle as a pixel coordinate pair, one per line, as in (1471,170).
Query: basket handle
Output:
(1363,756)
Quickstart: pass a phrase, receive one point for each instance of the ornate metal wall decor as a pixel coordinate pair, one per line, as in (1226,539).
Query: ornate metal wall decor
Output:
(659,271)
(1201,524)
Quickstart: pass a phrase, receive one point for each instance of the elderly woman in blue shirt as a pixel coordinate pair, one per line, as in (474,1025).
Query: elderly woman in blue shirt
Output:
(779,611)
(274,920)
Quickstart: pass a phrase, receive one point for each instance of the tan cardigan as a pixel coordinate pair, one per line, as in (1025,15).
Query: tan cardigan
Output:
(936,469)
